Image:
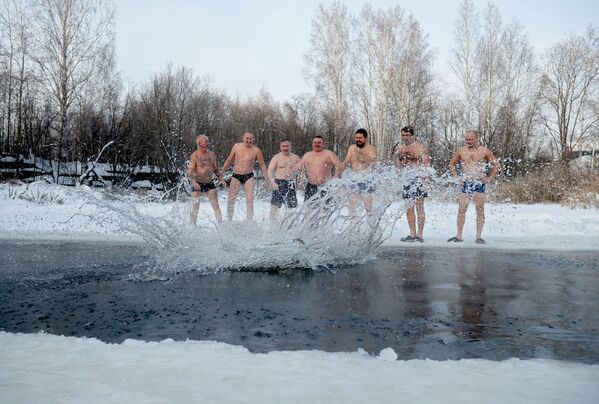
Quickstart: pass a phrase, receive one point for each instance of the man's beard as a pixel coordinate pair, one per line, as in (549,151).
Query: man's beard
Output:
(360,144)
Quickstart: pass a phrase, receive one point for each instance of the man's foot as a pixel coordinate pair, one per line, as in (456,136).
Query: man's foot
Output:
(419,239)
(454,240)
(408,239)
(480,241)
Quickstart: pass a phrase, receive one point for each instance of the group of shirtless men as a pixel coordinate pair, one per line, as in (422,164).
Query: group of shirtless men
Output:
(478,167)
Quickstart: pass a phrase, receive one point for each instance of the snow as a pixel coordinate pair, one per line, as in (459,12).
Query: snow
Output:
(508,225)
(41,367)
(49,368)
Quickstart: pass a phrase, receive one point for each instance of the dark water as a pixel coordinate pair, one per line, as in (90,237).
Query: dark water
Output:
(423,302)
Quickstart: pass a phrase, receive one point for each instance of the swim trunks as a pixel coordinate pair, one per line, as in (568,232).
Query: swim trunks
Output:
(243,177)
(414,189)
(365,186)
(310,191)
(205,186)
(285,194)
(471,187)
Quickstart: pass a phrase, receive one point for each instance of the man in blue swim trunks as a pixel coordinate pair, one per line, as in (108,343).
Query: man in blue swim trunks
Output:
(360,157)
(478,167)
(413,161)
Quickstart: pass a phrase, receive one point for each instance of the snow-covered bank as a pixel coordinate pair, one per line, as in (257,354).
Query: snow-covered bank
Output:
(70,216)
(47,368)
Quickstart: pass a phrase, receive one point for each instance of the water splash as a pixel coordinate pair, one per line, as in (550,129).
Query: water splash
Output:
(327,232)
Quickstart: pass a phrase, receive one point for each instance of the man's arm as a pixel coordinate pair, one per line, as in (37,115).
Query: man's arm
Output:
(228,162)
(215,166)
(425,156)
(190,170)
(272,166)
(262,165)
(336,164)
(372,153)
(345,163)
(192,166)
(300,168)
(494,165)
(452,163)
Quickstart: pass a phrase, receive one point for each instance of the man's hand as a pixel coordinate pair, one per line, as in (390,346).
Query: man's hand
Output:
(274,185)
(195,185)
(222,182)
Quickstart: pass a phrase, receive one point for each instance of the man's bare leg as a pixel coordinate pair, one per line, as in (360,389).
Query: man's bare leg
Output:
(273,212)
(213,198)
(195,207)
(411,216)
(479,203)
(248,187)
(421,216)
(463,201)
(368,203)
(233,190)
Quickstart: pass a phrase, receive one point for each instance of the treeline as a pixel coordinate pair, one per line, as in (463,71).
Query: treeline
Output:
(62,98)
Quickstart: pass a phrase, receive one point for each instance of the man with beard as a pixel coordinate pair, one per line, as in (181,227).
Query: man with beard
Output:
(280,171)
(318,166)
(478,167)
(244,155)
(360,156)
(413,161)
(202,166)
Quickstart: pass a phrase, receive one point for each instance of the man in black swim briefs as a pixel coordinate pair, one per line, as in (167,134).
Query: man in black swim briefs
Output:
(202,168)
(243,155)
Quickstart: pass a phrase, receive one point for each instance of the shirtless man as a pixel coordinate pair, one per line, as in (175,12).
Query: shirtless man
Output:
(280,171)
(244,155)
(475,161)
(360,157)
(202,166)
(413,160)
(318,165)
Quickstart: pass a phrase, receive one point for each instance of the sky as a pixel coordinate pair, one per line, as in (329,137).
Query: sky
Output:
(246,46)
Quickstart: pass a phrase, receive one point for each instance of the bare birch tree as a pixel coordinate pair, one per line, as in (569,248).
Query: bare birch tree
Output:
(328,62)
(72,37)
(571,91)
(391,73)
(465,62)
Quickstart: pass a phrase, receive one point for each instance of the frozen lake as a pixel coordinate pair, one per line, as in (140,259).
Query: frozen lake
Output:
(422,301)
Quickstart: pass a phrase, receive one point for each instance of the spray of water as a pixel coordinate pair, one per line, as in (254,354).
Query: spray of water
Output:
(331,230)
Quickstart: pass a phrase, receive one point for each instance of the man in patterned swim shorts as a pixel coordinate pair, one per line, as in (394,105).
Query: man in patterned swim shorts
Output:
(282,178)
(413,161)
(475,161)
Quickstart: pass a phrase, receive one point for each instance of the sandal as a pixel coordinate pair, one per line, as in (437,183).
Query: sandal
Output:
(454,240)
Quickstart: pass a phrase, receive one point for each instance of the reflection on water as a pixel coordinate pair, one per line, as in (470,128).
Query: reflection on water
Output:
(423,302)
